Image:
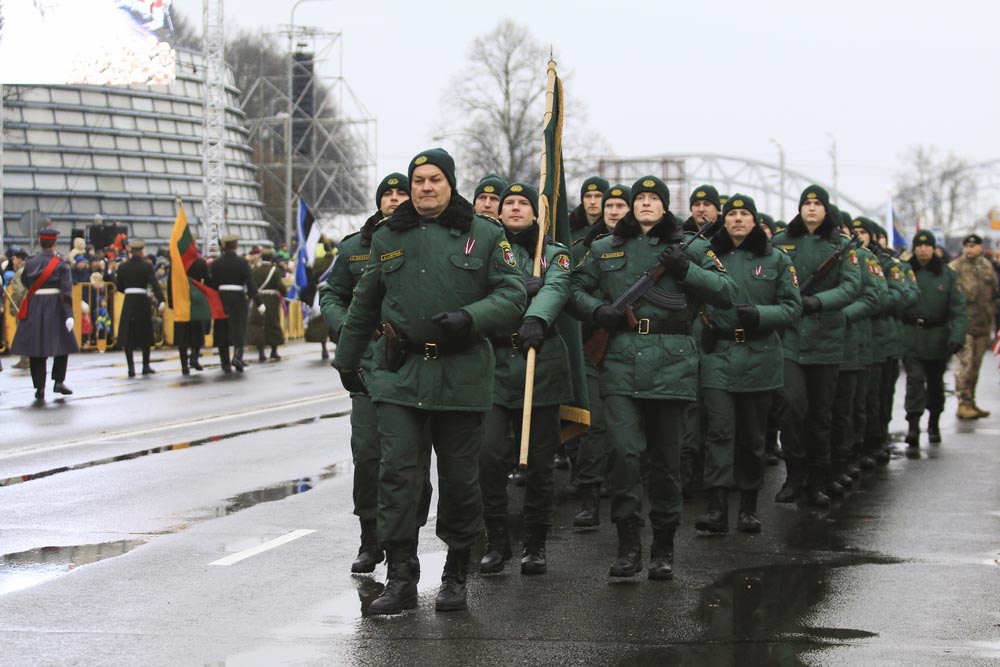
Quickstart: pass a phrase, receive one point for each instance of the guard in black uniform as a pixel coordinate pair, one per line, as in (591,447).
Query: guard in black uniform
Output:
(135,328)
(232,276)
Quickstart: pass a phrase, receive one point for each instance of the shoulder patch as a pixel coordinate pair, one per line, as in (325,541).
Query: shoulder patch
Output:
(612,255)
(391,255)
(508,253)
(795,276)
(852,257)
(562,261)
(715,258)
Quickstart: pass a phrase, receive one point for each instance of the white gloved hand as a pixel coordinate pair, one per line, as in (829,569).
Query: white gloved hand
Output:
(69,324)
(315,312)
(162,307)
(261,309)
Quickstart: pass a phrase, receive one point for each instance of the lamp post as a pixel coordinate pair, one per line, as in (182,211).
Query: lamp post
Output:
(781,182)
(833,157)
(288,127)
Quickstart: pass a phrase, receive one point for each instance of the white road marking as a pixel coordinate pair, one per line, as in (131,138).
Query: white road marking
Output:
(261,548)
(105,437)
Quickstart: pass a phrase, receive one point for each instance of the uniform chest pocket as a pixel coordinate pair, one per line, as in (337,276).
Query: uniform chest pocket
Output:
(467,262)
(466,279)
(611,264)
(392,274)
(761,273)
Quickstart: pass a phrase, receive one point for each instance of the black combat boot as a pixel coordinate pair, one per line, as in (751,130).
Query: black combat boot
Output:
(629,561)
(238,358)
(816,488)
(274,353)
(195,356)
(224,360)
(325,354)
(451,595)
(498,550)
(589,515)
(261,355)
(184,360)
(746,520)
(130,362)
(716,518)
(146,368)
(794,482)
(60,388)
(933,429)
(369,555)
(403,573)
(661,555)
(913,432)
(834,488)
(533,552)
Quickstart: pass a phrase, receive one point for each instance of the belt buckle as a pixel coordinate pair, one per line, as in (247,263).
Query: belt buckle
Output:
(643,326)
(513,341)
(430,351)
(740,335)
(920,323)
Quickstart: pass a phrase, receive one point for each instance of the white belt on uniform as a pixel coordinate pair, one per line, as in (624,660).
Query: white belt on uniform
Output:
(48,290)
(232,288)
(135,290)
(267,291)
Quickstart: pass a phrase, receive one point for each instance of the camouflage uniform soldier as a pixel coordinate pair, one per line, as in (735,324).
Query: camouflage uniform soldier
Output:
(978,282)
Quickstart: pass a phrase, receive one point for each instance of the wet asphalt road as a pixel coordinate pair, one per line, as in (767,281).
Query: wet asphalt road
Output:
(112,557)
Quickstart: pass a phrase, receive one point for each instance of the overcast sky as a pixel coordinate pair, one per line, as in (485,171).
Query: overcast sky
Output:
(707,77)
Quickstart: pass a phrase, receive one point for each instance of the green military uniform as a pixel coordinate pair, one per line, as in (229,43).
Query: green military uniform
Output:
(933,330)
(814,349)
(977,281)
(265,329)
(579,224)
(650,371)
(552,387)
(741,367)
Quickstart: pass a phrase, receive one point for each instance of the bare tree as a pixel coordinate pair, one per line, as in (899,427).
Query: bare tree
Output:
(935,192)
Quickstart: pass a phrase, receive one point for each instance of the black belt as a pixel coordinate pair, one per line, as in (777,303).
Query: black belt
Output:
(921,323)
(434,349)
(512,339)
(648,325)
(740,335)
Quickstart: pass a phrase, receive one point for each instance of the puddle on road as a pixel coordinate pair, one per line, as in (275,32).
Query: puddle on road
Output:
(167,448)
(28,568)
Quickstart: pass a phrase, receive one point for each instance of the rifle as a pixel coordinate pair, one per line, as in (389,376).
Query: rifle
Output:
(827,265)
(596,346)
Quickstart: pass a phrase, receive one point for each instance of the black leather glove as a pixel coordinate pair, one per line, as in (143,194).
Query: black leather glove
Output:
(530,335)
(533,285)
(708,339)
(955,348)
(455,324)
(353,381)
(674,261)
(811,305)
(748,315)
(606,317)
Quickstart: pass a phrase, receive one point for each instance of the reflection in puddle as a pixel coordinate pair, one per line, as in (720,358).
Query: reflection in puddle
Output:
(29,568)
(167,448)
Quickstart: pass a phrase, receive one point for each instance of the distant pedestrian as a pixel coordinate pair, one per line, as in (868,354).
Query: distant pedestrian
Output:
(977,280)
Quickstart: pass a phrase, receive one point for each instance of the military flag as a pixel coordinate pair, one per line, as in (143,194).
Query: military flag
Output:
(192,300)
(309,234)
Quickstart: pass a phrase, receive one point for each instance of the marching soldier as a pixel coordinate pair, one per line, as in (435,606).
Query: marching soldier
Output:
(650,371)
(135,329)
(440,279)
(595,453)
(486,198)
(934,329)
(588,212)
(741,364)
(335,300)
(705,206)
(814,349)
(45,316)
(265,322)
(189,337)
(232,276)
(978,283)
(552,387)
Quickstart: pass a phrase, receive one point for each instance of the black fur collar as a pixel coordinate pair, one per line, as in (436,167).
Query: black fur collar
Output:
(578,218)
(690,225)
(368,228)
(599,228)
(528,239)
(827,229)
(457,215)
(935,266)
(756,242)
(667,229)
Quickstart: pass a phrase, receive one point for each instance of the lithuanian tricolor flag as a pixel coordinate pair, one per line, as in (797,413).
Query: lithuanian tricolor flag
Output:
(193,301)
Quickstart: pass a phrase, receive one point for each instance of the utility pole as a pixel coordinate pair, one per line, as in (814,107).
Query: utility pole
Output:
(833,157)
(781,167)
(214,142)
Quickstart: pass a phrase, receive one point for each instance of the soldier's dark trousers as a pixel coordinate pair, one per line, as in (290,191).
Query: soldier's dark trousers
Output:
(457,437)
(365,449)
(594,458)
(843,424)
(734,439)
(656,427)
(873,404)
(494,463)
(924,385)
(37,365)
(693,446)
(890,375)
(808,395)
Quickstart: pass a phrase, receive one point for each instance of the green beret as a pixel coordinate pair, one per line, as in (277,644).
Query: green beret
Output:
(654,185)
(438,157)
(736,202)
(766,220)
(706,193)
(395,180)
(594,184)
(815,192)
(924,237)
(523,189)
(491,184)
(780,226)
(617,191)
(880,231)
(861,222)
